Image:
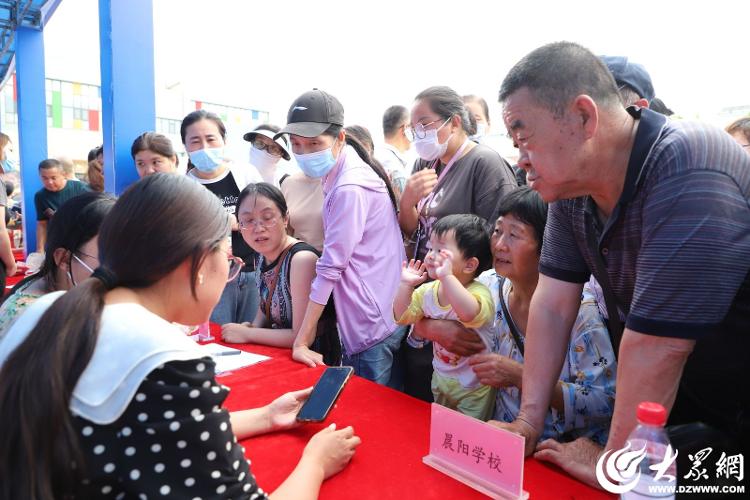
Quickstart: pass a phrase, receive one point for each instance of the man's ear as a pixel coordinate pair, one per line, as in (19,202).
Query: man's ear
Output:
(586,110)
(641,103)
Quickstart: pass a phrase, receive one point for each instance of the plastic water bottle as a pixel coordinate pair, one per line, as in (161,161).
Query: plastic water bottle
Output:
(651,435)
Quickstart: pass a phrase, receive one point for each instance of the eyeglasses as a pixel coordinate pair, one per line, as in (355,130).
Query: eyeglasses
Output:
(235,266)
(273,149)
(420,131)
(265,223)
(82,263)
(86,266)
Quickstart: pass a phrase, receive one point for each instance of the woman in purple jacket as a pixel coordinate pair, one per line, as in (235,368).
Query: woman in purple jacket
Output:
(363,249)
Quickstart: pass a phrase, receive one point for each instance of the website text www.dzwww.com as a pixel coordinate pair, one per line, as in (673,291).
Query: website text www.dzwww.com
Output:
(696,488)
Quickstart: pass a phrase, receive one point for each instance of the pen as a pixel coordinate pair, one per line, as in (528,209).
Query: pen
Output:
(226,353)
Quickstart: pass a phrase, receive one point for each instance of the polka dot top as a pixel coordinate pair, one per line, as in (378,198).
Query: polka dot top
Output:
(173,441)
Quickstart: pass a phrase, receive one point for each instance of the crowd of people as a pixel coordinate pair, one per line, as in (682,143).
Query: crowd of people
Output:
(609,265)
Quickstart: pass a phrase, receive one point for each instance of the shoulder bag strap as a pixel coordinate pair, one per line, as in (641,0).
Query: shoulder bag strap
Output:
(615,326)
(509,320)
(274,281)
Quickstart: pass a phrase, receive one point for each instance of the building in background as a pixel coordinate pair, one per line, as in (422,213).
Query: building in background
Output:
(74,119)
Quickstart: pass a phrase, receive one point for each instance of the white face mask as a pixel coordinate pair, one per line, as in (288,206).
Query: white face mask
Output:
(264,161)
(429,148)
(481,132)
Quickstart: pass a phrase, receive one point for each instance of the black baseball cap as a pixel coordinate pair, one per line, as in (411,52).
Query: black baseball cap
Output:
(632,74)
(312,113)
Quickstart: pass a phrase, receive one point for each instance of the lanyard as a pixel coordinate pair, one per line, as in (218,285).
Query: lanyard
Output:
(427,199)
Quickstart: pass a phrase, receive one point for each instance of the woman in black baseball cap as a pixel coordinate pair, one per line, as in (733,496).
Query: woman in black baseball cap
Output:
(363,249)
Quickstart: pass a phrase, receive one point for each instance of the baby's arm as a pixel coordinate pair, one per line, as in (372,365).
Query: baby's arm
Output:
(461,300)
(412,275)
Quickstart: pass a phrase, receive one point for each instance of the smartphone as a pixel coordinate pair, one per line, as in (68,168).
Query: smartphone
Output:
(324,394)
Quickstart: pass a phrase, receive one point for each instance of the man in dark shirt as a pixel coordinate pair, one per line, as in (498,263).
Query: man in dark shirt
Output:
(56,191)
(658,210)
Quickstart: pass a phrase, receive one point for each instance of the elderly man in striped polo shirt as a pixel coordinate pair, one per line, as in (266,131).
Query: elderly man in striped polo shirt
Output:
(658,212)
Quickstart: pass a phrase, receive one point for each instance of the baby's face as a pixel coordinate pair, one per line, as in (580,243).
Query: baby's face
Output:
(445,241)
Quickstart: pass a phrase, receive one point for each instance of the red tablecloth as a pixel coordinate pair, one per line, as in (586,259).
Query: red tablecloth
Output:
(394,429)
(11,281)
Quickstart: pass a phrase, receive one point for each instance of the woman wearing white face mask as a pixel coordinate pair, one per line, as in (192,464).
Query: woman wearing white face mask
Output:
(203,135)
(362,252)
(270,156)
(454,175)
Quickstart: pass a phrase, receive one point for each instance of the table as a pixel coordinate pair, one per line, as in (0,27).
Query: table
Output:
(394,429)
(11,281)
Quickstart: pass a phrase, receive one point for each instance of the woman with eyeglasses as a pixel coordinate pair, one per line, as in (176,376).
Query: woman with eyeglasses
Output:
(286,268)
(270,156)
(454,175)
(363,251)
(204,137)
(103,396)
(70,254)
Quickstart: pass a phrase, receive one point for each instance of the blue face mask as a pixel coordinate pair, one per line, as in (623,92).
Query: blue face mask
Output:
(207,160)
(316,164)
(481,132)
(9,165)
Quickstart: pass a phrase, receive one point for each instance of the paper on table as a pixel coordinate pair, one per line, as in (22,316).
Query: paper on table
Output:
(233,362)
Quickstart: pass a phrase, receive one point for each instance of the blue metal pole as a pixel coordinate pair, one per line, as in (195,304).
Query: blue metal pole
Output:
(126,33)
(32,122)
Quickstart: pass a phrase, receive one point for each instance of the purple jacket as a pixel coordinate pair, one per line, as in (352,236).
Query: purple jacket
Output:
(362,253)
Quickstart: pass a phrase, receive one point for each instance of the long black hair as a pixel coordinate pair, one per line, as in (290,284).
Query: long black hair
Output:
(139,244)
(75,223)
(361,150)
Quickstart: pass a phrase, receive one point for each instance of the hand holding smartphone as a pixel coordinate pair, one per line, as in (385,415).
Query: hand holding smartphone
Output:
(324,394)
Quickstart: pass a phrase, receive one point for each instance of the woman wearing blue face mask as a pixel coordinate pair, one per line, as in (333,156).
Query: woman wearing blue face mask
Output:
(362,251)
(203,135)
(478,108)
(454,175)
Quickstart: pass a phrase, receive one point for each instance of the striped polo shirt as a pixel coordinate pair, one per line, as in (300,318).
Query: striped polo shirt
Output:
(676,247)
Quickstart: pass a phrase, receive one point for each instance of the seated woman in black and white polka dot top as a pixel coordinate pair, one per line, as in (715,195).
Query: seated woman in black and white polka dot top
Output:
(102,397)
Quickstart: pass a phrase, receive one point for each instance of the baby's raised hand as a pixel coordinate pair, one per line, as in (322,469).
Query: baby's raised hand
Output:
(413,273)
(443,264)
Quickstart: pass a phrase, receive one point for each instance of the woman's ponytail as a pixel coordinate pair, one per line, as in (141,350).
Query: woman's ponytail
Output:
(375,165)
(40,456)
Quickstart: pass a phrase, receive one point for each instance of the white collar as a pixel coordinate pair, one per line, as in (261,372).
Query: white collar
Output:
(132,343)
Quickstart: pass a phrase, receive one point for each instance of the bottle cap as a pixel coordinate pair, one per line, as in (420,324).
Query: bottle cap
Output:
(651,414)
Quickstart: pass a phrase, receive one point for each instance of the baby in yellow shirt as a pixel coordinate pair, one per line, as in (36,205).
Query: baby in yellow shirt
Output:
(459,252)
